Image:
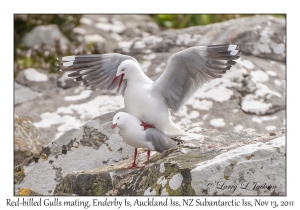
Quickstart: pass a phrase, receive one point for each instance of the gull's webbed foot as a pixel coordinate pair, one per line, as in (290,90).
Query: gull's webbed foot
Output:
(134,165)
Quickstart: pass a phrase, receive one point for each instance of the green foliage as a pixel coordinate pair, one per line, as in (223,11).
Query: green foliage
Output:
(43,57)
(24,24)
(187,20)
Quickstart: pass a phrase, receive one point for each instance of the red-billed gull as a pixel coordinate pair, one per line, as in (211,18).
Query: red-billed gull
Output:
(134,134)
(151,101)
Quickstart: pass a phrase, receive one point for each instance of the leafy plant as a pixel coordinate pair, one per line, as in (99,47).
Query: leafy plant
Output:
(43,57)
(24,23)
(187,20)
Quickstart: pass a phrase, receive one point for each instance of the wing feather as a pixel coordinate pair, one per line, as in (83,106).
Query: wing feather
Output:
(189,69)
(96,71)
(159,140)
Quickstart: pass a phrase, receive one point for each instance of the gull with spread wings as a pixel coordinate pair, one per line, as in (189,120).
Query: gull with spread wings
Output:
(151,101)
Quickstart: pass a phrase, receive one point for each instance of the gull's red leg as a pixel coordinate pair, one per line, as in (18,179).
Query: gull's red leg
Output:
(148,157)
(146,125)
(134,165)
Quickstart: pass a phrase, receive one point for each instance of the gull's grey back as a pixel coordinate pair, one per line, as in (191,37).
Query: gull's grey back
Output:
(159,140)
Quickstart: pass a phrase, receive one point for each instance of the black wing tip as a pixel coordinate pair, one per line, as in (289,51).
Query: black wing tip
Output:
(227,53)
(78,79)
(74,74)
(219,46)
(222,50)
(220,58)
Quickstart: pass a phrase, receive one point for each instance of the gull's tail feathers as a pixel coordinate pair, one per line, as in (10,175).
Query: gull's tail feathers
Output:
(173,130)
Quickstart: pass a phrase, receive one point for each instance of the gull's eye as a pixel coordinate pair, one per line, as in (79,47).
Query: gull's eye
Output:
(123,70)
(118,117)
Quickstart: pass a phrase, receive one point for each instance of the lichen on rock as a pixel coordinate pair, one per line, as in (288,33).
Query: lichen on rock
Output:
(173,172)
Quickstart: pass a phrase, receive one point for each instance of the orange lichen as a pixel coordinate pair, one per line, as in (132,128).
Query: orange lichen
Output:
(24,192)
(45,157)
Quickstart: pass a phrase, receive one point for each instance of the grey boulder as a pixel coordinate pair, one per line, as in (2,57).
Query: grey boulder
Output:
(45,34)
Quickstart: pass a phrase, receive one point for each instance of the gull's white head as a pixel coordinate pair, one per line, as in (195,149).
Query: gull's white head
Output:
(125,69)
(119,120)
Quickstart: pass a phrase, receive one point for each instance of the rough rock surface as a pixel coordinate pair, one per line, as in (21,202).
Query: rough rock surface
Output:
(262,36)
(251,96)
(94,145)
(49,35)
(23,94)
(91,160)
(27,139)
(27,192)
(108,30)
(207,158)
(37,80)
(66,82)
(254,169)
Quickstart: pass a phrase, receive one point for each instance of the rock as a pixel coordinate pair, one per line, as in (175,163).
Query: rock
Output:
(66,82)
(48,35)
(93,160)
(59,110)
(94,145)
(24,94)
(27,192)
(106,31)
(37,80)
(27,139)
(272,134)
(254,169)
(207,157)
(261,36)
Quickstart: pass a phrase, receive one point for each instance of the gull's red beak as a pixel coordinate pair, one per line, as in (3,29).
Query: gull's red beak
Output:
(121,80)
(114,79)
(113,126)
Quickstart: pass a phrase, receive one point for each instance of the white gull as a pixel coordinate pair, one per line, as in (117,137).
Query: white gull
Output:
(151,101)
(137,136)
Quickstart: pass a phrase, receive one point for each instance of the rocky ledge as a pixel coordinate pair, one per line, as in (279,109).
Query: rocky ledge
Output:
(92,160)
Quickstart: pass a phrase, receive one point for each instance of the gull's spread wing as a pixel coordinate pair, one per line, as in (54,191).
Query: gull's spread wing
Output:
(96,71)
(189,69)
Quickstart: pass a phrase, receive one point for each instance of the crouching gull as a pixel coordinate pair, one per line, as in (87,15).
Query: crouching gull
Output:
(134,134)
(151,101)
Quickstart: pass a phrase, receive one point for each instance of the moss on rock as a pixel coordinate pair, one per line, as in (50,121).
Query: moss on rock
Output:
(19,174)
